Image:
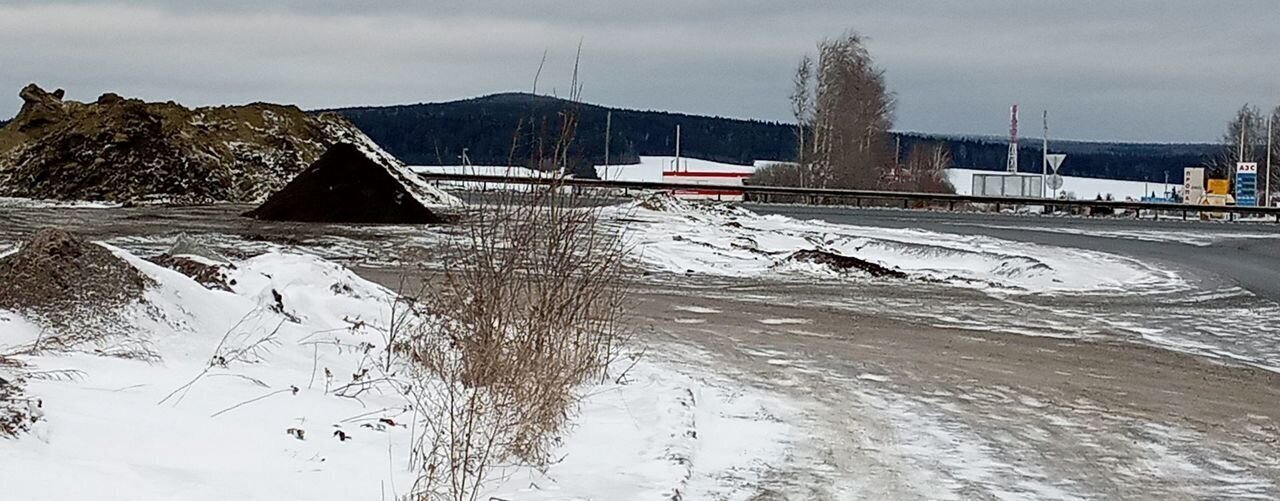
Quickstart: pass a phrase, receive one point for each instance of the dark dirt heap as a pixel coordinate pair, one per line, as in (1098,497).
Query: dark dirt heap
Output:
(842,263)
(127,150)
(211,276)
(193,259)
(59,278)
(351,184)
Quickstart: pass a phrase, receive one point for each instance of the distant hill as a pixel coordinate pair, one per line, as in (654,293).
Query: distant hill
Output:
(436,133)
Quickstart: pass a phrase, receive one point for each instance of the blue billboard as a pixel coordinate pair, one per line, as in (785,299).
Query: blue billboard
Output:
(1247,184)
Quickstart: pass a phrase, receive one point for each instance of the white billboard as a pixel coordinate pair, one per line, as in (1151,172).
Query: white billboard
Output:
(1008,185)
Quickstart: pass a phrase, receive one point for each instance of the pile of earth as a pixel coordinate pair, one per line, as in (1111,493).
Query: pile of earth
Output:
(840,262)
(193,259)
(130,151)
(69,285)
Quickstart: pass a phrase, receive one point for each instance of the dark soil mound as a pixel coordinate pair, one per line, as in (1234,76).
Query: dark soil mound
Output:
(842,262)
(58,277)
(127,150)
(349,184)
(212,276)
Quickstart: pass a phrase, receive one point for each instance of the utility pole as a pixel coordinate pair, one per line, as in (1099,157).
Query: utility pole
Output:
(608,127)
(1231,172)
(1266,200)
(1044,159)
(897,153)
(677,166)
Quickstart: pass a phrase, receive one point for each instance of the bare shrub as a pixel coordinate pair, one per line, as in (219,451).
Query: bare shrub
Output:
(525,309)
(528,307)
(925,170)
(17,411)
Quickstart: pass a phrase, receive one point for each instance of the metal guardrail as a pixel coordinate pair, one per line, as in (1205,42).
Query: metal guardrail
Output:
(858,195)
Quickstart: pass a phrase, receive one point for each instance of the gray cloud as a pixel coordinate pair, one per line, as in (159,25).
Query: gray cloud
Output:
(1171,70)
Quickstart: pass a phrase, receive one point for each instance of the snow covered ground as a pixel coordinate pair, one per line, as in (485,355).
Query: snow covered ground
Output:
(680,237)
(241,394)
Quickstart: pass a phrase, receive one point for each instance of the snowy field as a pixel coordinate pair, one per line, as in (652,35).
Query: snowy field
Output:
(121,428)
(215,395)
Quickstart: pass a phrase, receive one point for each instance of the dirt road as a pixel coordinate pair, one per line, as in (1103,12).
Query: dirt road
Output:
(896,410)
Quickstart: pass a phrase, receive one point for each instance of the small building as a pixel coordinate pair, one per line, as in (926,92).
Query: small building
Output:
(720,179)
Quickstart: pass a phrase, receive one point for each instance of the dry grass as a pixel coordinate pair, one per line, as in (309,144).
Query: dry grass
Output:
(17,411)
(527,308)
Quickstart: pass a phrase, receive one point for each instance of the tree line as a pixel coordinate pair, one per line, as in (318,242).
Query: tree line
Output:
(437,133)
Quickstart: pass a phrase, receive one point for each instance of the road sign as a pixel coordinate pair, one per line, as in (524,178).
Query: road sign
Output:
(1247,184)
(1055,161)
(1054,182)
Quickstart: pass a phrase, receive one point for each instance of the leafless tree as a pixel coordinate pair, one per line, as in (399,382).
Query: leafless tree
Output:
(843,114)
(802,110)
(926,169)
(1275,154)
(1244,141)
(854,111)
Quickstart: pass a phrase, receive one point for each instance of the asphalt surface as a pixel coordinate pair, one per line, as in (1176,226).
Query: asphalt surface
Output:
(1248,254)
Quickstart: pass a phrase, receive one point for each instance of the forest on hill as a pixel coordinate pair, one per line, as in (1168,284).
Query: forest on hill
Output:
(437,134)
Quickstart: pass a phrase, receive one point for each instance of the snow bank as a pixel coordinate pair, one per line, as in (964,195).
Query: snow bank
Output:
(131,429)
(249,387)
(680,237)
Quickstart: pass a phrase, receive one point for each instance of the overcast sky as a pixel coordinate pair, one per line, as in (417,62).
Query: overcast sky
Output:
(1124,70)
